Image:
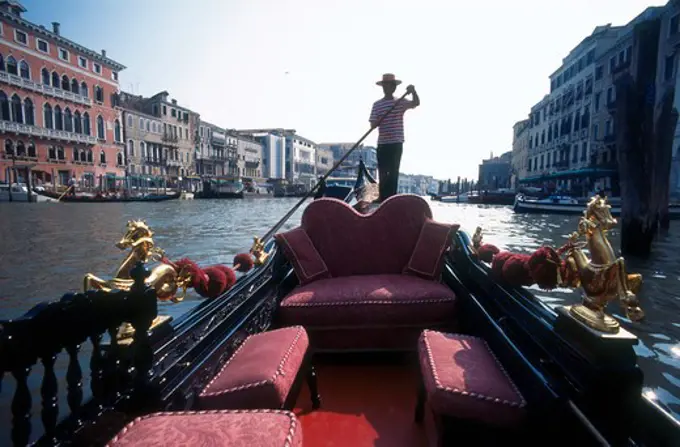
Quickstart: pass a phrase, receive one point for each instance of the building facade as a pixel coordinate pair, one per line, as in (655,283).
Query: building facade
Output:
(249,158)
(520,151)
(495,172)
(57,105)
(324,160)
(667,74)
(273,143)
(145,154)
(300,159)
(349,166)
(211,150)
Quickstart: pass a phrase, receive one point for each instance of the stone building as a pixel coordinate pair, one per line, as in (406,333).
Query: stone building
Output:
(495,172)
(249,157)
(145,153)
(520,151)
(57,105)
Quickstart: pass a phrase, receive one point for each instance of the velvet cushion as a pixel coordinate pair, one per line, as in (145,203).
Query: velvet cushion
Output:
(351,243)
(428,255)
(262,428)
(300,251)
(261,372)
(369,300)
(464,379)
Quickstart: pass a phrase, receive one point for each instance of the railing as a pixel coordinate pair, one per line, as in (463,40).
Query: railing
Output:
(53,331)
(171,162)
(170,138)
(42,88)
(43,132)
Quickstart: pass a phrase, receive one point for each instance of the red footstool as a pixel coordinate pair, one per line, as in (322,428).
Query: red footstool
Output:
(463,380)
(261,428)
(266,371)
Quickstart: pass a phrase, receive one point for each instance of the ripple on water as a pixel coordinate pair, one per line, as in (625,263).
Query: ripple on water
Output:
(46,249)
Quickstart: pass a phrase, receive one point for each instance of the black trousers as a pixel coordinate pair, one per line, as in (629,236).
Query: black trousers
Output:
(389,159)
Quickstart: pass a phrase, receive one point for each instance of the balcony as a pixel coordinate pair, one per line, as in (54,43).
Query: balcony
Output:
(42,132)
(18,81)
(156,161)
(220,158)
(170,162)
(170,138)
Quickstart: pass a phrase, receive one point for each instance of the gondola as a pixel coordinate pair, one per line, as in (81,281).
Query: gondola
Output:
(110,199)
(568,206)
(348,331)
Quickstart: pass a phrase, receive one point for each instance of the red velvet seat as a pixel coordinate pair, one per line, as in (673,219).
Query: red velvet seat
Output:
(354,311)
(261,428)
(264,372)
(463,379)
(368,281)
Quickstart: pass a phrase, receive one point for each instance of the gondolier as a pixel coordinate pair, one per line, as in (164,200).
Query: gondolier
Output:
(390,132)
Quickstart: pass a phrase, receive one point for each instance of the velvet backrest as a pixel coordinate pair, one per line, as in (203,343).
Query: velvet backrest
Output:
(351,243)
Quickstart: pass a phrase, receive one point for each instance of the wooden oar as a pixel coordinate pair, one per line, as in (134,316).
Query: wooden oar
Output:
(67,190)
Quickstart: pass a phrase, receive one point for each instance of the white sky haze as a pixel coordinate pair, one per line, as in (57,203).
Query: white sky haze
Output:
(478,66)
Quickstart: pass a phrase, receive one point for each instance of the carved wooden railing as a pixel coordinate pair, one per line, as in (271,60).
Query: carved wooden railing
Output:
(69,327)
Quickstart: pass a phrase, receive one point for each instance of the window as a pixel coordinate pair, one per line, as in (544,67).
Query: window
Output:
(68,120)
(129,121)
(58,119)
(47,117)
(89,156)
(597,101)
(599,72)
(99,94)
(131,148)
(173,112)
(607,128)
(100,128)
(86,123)
(64,54)
(120,159)
(142,147)
(42,45)
(82,62)
(612,64)
(28,112)
(77,122)
(102,157)
(24,70)
(148,126)
(114,75)
(12,67)
(97,68)
(83,89)
(21,37)
(629,52)
(65,83)
(165,110)
(55,79)
(116,130)
(17,109)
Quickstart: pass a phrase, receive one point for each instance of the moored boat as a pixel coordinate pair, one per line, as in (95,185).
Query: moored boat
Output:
(107,198)
(498,197)
(568,205)
(352,329)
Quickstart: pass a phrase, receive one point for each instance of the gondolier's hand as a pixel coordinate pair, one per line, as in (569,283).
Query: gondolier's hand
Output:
(410,89)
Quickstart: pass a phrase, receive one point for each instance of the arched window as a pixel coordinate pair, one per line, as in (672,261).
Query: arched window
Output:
(4,107)
(17,110)
(24,70)
(68,120)
(75,154)
(142,149)
(52,152)
(55,79)
(45,76)
(131,148)
(60,153)
(77,122)
(89,156)
(9,147)
(116,130)
(83,156)
(100,128)
(12,66)
(148,126)
(129,121)
(75,88)
(2,63)
(21,149)
(120,159)
(58,118)
(102,157)
(65,83)
(141,123)
(86,124)
(48,121)
(83,89)
(31,150)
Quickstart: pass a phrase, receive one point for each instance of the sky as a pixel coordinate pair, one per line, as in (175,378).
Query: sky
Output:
(311,65)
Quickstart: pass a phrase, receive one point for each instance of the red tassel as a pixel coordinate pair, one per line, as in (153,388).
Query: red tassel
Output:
(243,262)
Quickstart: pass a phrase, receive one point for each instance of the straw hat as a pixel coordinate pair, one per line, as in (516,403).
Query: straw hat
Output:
(388,77)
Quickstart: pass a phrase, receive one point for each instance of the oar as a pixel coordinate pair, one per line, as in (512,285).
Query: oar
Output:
(67,190)
(258,245)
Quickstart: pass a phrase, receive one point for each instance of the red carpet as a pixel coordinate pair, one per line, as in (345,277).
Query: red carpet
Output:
(362,406)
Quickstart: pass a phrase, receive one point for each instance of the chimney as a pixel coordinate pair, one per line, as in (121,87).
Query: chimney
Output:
(174,101)
(55,28)
(103,53)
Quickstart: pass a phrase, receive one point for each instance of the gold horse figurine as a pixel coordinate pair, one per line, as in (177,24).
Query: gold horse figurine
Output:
(603,277)
(164,278)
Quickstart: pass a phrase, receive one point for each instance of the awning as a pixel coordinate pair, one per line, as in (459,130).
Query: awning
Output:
(577,173)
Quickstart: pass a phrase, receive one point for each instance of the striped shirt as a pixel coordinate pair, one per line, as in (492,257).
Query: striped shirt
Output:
(391,129)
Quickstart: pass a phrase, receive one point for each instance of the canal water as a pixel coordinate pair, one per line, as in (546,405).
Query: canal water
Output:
(45,249)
